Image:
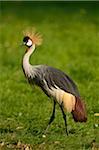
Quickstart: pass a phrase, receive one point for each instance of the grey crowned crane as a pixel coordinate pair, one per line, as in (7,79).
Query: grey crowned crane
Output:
(54,83)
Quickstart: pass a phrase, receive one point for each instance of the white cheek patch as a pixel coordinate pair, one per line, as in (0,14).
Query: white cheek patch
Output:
(29,43)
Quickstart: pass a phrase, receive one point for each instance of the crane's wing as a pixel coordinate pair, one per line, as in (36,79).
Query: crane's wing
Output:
(55,77)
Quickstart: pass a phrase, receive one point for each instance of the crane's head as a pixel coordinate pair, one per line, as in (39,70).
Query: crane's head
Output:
(32,38)
(27,41)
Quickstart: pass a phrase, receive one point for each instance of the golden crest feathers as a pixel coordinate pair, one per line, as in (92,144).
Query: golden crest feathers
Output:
(33,35)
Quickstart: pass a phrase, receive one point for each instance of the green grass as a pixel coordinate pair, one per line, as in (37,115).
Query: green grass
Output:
(70,43)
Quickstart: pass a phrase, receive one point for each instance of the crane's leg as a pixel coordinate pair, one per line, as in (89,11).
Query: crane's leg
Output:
(64,117)
(51,118)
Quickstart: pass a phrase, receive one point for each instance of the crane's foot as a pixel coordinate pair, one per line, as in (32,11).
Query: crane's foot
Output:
(67,133)
(64,117)
(45,132)
(46,129)
(50,121)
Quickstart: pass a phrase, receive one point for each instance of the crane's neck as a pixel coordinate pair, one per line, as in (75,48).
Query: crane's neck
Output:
(26,64)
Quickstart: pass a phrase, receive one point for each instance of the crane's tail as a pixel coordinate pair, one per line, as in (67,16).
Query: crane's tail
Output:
(79,112)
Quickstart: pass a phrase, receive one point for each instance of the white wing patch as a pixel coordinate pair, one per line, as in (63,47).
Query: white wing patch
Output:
(67,100)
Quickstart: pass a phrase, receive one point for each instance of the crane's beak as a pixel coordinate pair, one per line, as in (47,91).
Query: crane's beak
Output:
(22,44)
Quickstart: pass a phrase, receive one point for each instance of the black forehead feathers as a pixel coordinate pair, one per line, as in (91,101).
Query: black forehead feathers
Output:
(26,38)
